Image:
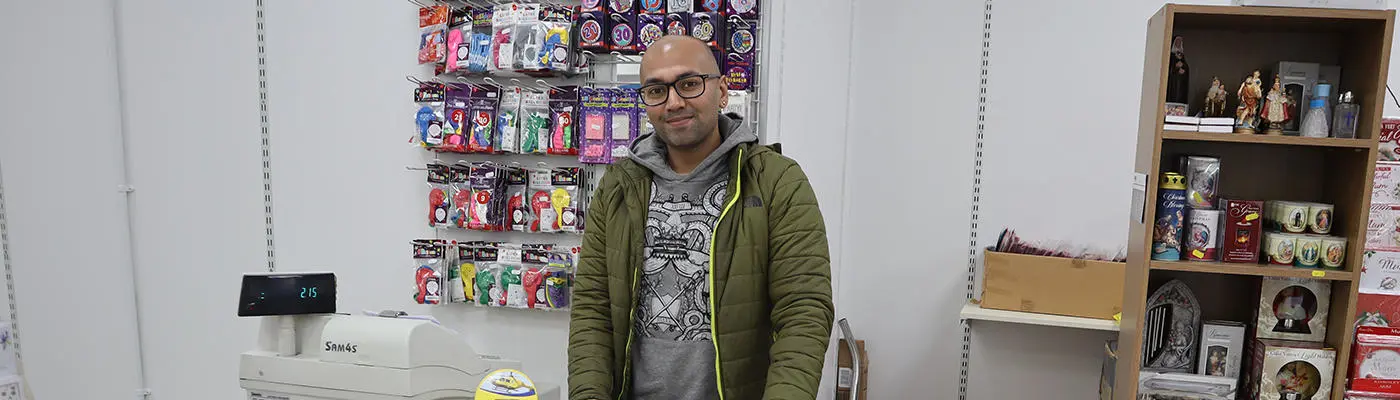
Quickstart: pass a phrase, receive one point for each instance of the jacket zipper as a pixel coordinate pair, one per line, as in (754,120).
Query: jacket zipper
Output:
(631,325)
(714,339)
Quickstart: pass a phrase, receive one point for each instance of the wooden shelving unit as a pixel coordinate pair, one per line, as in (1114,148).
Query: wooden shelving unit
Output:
(1230,42)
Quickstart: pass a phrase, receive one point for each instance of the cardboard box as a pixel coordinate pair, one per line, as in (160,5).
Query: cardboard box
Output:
(1052,285)
(1241,231)
(844,370)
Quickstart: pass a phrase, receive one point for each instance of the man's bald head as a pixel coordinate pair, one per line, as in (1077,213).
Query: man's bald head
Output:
(683,69)
(676,50)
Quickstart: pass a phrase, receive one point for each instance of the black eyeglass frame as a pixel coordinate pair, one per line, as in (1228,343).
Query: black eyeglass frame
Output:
(671,86)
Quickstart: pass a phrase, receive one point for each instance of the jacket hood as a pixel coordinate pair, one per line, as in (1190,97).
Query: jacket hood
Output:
(650,152)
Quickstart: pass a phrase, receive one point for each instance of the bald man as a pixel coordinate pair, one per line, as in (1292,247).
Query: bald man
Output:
(705,272)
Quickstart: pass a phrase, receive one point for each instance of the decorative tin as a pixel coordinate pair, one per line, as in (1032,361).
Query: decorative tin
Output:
(1171,209)
(1201,243)
(1202,180)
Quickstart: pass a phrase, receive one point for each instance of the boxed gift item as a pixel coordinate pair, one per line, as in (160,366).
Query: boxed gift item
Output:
(1293,309)
(1375,360)
(1380,272)
(1222,347)
(1383,228)
(1180,386)
(1241,230)
(1286,370)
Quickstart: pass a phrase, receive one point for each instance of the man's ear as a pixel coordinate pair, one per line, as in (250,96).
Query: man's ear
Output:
(723,93)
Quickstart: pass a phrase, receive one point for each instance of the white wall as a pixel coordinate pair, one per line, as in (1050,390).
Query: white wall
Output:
(908,194)
(190,89)
(60,151)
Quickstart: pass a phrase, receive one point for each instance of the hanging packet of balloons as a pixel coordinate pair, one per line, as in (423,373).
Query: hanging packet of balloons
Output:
(429,261)
(563,109)
(503,20)
(459,196)
(481,117)
(565,200)
(432,23)
(479,42)
(535,124)
(518,201)
(508,120)
(463,289)
(428,122)
(439,195)
(459,32)
(456,109)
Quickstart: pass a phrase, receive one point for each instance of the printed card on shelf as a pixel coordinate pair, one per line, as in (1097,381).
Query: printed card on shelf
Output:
(1375,364)
(1386,188)
(1380,272)
(1390,139)
(1381,228)
(1377,309)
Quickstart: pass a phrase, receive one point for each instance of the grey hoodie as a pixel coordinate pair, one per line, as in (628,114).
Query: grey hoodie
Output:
(673,358)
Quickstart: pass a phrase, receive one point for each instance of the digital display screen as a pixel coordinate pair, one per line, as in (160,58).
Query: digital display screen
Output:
(287,294)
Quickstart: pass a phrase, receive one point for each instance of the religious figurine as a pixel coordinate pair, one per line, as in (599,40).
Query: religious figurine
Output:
(1178,75)
(1277,110)
(1247,114)
(1215,99)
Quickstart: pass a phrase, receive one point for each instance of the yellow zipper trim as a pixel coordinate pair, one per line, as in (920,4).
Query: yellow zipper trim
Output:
(714,338)
(631,325)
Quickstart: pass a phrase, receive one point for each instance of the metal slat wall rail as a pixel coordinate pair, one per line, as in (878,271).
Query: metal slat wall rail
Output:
(266,143)
(976,193)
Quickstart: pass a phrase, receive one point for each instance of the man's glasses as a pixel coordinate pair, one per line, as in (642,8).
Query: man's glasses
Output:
(688,88)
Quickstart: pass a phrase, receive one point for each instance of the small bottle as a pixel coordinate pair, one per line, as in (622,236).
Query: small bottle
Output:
(1315,120)
(1344,119)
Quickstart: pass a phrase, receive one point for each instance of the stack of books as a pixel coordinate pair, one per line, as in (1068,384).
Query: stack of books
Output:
(1199,124)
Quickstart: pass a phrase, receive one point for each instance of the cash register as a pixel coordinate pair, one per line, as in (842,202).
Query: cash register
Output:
(306,351)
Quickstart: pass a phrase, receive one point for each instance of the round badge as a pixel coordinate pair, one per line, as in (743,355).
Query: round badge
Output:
(675,28)
(649,34)
(621,6)
(591,31)
(483,197)
(705,31)
(711,5)
(622,35)
(741,41)
(743,6)
(590,4)
(652,5)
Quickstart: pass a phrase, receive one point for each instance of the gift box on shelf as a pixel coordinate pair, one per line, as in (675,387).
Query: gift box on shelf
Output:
(1282,369)
(1293,309)
(1052,285)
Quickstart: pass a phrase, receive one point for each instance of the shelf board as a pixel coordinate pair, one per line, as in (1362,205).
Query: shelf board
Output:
(1270,139)
(1253,269)
(974,312)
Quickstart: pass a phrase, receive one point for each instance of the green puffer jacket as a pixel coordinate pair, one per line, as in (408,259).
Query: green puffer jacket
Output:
(770,298)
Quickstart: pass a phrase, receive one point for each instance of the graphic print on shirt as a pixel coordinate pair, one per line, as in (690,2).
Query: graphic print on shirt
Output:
(675,289)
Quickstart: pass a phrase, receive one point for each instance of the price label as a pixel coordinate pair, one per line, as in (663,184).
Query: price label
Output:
(1198,253)
(1319,274)
(1251,217)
